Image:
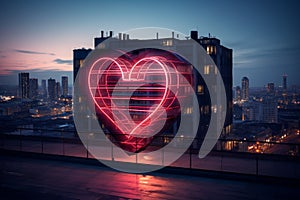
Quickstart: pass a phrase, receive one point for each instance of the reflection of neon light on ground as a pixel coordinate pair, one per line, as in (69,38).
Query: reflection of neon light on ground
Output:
(132,95)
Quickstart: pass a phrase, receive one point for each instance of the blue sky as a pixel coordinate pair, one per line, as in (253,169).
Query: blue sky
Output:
(39,36)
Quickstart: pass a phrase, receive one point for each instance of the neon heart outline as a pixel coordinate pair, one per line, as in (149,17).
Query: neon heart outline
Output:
(127,76)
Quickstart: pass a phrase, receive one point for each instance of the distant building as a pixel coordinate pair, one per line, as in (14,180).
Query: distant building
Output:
(44,88)
(271,88)
(284,82)
(58,90)
(245,89)
(23,85)
(269,110)
(64,82)
(261,111)
(238,93)
(33,88)
(52,89)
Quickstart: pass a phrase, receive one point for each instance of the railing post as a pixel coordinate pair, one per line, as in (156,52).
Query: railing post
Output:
(256,159)
(42,141)
(190,152)
(87,146)
(136,155)
(112,152)
(63,145)
(20,131)
(221,161)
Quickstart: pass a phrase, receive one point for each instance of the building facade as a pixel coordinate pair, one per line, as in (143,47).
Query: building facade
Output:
(245,89)
(64,82)
(23,90)
(221,56)
(33,88)
(52,89)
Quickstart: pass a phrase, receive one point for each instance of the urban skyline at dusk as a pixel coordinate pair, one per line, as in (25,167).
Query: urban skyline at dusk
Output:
(38,37)
(149,99)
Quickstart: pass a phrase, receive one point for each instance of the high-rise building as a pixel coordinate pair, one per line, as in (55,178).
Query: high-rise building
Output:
(78,57)
(52,89)
(269,110)
(44,88)
(64,82)
(245,89)
(221,56)
(271,88)
(58,90)
(238,93)
(33,88)
(284,82)
(23,85)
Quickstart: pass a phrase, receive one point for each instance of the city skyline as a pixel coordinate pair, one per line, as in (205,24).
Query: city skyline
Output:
(38,37)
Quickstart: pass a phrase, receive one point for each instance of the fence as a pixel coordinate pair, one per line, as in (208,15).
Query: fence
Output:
(239,156)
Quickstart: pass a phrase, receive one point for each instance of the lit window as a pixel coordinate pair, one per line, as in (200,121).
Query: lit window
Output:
(167,43)
(216,70)
(189,110)
(80,63)
(206,69)
(200,89)
(211,50)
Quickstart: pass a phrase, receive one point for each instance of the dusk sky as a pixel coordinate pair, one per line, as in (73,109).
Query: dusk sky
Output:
(39,36)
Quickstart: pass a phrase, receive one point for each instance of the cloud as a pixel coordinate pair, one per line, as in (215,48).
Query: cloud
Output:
(33,52)
(61,61)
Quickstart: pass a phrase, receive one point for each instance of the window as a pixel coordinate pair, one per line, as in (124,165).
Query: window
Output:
(206,69)
(80,62)
(211,49)
(200,89)
(167,43)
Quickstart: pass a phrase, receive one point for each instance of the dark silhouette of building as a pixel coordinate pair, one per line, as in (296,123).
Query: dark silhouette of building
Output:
(64,82)
(44,88)
(238,93)
(284,82)
(58,90)
(78,57)
(23,85)
(33,88)
(222,57)
(271,88)
(245,89)
(52,89)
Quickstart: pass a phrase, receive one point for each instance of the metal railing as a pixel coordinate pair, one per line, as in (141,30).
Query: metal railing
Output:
(239,156)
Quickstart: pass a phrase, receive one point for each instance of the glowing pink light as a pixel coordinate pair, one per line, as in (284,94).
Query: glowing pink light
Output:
(150,78)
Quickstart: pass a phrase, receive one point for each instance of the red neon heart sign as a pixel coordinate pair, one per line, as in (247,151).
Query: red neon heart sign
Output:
(132,95)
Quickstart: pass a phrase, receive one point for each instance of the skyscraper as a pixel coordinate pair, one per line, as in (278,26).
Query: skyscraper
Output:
(78,57)
(245,89)
(51,89)
(58,90)
(23,85)
(44,88)
(238,93)
(33,88)
(64,83)
(222,57)
(271,88)
(284,82)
